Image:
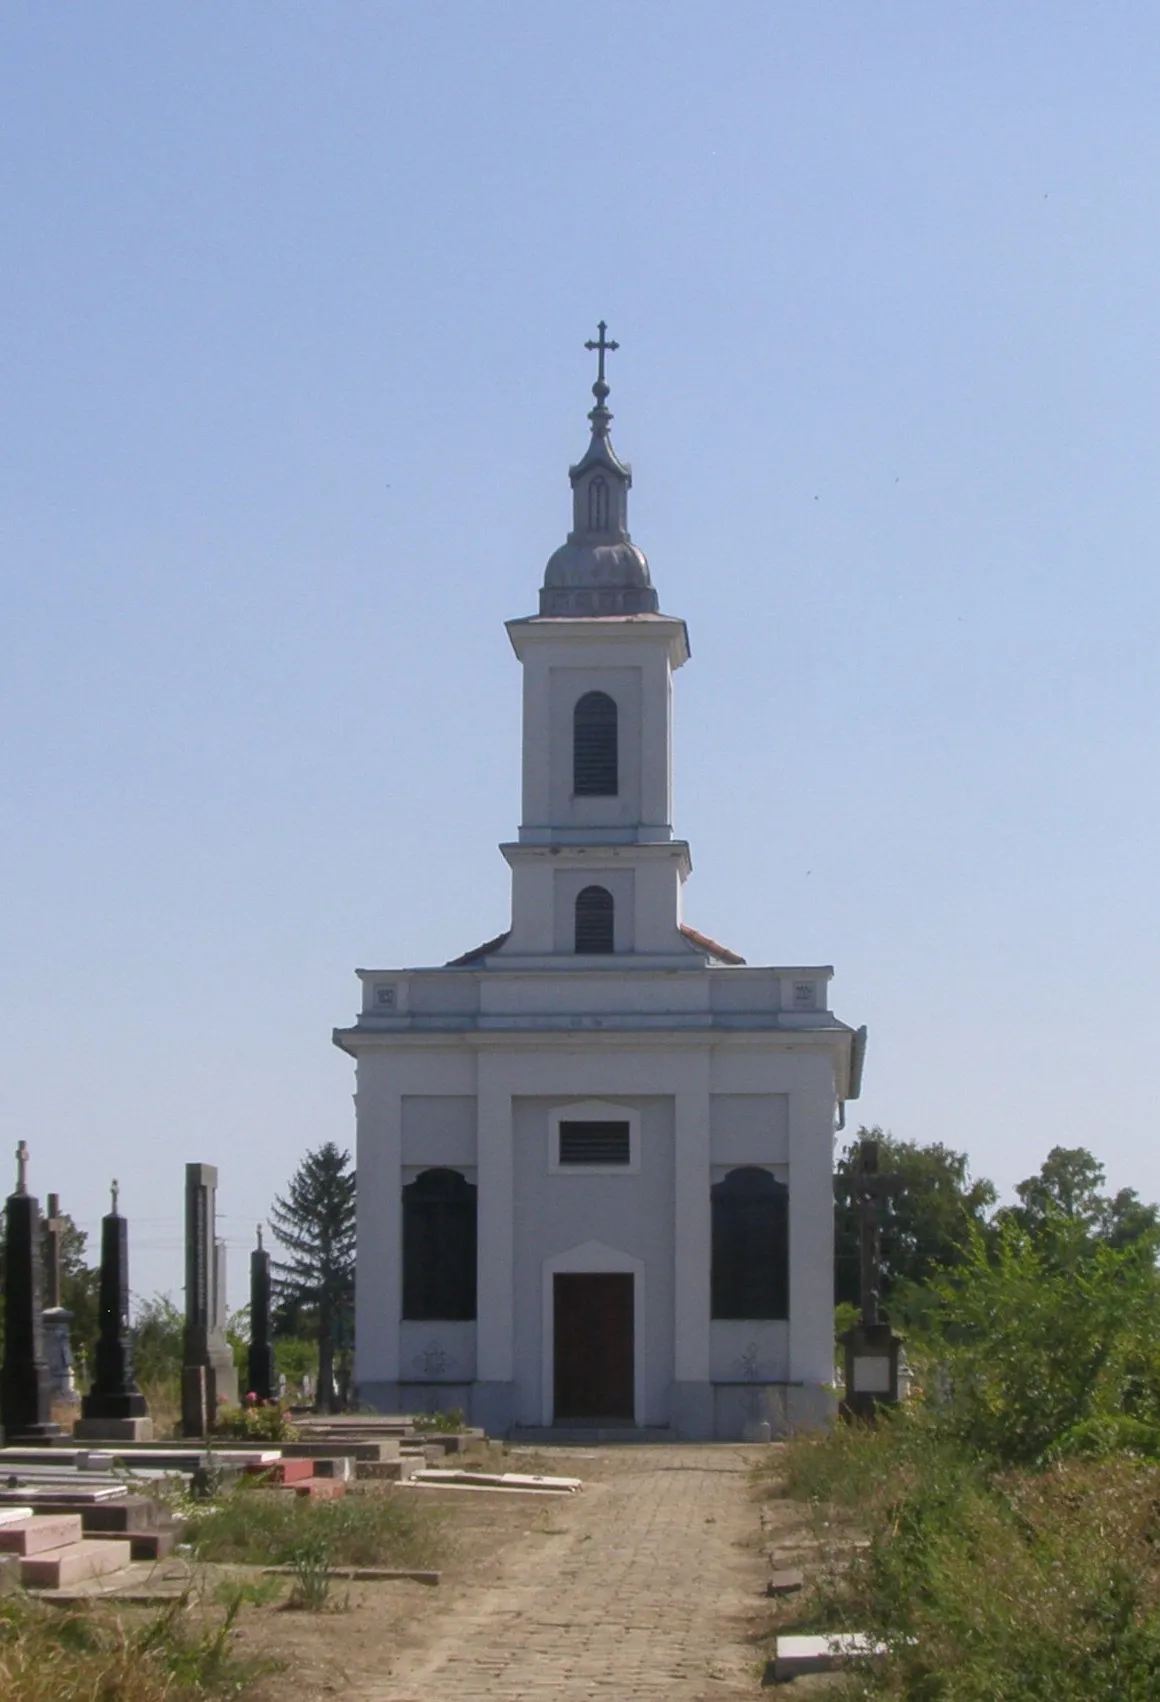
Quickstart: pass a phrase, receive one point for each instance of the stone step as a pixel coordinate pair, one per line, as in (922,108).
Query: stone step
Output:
(14,1515)
(585,1436)
(39,1532)
(57,1567)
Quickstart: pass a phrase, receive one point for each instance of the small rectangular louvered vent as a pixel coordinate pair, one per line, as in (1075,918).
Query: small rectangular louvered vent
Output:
(594,1143)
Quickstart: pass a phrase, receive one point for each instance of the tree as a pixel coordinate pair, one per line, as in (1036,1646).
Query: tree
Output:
(1068,1187)
(315,1223)
(927,1225)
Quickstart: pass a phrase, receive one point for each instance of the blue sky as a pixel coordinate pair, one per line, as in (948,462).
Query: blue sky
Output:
(293,311)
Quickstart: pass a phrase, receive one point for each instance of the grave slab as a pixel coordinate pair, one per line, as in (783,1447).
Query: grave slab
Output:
(57,1567)
(785,1582)
(40,1532)
(797,1656)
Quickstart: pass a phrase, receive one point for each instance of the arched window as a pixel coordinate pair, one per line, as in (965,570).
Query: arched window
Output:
(598,505)
(439,1246)
(595,919)
(594,765)
(750,1245)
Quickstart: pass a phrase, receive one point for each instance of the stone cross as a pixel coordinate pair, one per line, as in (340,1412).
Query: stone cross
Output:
(54,1228)
(22,1168)
(601,348)
(872,1188)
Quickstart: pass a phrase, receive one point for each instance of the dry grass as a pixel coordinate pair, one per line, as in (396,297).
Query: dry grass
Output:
(47,1655)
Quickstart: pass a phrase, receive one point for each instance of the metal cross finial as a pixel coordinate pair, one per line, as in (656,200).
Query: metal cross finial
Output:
(873,1189)
(602,347)
(22,1168)
(116,1189)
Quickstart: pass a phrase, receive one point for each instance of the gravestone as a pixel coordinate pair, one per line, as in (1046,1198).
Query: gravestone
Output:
(114,1408)
(25,1399)
(262,1381)
(57,1317)
(208,1375)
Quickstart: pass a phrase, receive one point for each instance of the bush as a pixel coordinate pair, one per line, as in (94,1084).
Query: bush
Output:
(256,1421)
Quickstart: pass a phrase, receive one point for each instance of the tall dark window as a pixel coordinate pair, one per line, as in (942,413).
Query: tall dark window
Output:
(595,920)
(595,771)
(750,1245)
(439,1246)
(598,505)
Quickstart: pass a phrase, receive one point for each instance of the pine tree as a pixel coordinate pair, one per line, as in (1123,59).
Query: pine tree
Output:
(315,1223)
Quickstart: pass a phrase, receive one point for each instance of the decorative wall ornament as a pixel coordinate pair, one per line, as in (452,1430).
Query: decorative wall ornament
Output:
(434,1361)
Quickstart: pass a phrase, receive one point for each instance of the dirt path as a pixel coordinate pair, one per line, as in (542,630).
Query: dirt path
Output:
(643,1586)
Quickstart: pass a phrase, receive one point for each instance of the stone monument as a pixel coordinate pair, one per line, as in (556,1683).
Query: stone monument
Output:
(263,1379)
(25,1398)
(114,1409)
(58,1319)
(209,1379)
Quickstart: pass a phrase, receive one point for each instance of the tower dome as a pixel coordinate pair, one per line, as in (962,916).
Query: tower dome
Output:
(599,570)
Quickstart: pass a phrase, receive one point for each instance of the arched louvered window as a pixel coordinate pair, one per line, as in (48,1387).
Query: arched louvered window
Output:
(439,1246)
(595,771)
(598,505)
(750,1245)
(595,919)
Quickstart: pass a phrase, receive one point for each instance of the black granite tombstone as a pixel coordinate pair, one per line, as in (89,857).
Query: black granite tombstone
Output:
(263,1381)
(114,1394)
(25,1399)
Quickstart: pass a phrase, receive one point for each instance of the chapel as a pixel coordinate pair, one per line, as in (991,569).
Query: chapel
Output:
(595,1154)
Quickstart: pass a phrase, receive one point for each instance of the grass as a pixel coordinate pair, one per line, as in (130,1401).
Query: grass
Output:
(375,1527)
(47,1655)
(986,1583)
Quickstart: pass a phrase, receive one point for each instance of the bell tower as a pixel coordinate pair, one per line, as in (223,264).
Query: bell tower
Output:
(596,871)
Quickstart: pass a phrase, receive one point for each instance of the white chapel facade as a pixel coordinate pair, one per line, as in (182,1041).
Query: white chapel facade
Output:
(595,1155)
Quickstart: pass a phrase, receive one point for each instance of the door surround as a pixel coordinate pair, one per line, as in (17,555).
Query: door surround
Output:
(590,1258)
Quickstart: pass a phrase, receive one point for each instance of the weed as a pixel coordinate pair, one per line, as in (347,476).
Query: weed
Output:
(371,1528)
(47,1656)
(311,1587)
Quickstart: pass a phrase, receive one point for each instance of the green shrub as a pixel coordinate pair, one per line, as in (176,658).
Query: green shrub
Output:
(255,1422)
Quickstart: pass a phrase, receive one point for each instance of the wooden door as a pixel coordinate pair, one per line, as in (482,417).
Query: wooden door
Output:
(594,1347)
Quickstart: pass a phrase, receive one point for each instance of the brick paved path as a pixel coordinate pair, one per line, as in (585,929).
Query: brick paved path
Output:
(640,1588)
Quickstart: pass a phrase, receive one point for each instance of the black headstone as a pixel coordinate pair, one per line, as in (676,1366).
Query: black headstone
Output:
(114,1393)
(25,1400)
(263,1380)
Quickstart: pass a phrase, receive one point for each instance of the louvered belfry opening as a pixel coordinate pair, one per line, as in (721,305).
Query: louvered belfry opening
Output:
(595,919)
(595,770)
(595,1143)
